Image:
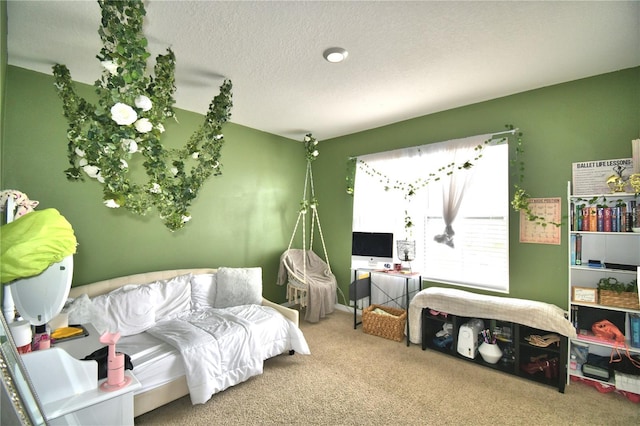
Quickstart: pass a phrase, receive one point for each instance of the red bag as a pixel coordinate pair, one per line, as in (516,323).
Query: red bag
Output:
(605,329)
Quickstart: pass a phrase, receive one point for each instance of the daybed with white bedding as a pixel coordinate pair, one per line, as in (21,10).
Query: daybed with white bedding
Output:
(189,331)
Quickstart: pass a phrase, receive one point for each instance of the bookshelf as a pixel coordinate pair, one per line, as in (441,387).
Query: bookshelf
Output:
(602,245)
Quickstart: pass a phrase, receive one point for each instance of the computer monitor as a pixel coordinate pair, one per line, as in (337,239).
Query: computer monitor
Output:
(372,249)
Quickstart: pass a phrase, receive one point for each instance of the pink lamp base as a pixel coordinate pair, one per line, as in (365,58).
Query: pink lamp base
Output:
(105,386)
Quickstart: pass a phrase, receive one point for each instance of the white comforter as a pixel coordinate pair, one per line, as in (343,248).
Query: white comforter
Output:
(224,347)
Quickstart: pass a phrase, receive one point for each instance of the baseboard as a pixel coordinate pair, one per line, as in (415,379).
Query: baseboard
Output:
(337,306)
(343,308)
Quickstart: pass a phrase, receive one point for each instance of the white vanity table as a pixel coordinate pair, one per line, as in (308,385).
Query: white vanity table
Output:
(69,389)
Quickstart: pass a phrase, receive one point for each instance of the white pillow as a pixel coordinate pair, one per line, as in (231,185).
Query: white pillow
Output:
(172,296)
(82,311)
(203,291)
(238,286)
(126,310)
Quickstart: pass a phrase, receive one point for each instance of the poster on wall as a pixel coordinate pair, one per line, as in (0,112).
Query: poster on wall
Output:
(590,177)
(550,210)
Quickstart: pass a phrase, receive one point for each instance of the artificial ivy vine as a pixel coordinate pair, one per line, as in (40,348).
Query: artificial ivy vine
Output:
(311,154)
(520,201)
(127,123)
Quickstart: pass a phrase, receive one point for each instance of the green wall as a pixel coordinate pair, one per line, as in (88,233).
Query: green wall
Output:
(593,118)
(245,217)
(242,218)
(3,71)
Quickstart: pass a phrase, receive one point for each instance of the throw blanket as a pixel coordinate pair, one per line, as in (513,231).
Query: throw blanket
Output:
(543,316)
(224,347)
(321,283)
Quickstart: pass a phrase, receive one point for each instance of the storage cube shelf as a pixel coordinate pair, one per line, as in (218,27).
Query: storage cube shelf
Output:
(619,255)
(522,351)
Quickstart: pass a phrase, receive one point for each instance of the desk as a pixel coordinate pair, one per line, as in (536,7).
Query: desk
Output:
(360,289)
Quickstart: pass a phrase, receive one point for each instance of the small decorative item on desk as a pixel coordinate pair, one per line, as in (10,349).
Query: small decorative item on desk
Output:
(489,349)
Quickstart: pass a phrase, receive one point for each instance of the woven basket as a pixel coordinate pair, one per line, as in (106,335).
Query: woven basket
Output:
(626,299)
(387,326)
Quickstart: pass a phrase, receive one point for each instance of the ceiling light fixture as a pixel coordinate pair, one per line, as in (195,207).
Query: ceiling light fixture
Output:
(335,54)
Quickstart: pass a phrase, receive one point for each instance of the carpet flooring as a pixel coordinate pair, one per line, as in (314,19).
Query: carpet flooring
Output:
(352,378)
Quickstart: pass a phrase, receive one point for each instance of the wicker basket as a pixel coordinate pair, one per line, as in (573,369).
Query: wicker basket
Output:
(625,299)
(387,326)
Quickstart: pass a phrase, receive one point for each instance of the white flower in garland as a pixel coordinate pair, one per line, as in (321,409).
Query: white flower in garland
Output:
(111,203)
(136,105)
(130,145)
(143,125)
(110,66)
(310,145)
(155,188)
(123,114)
(91,171)
(144,103)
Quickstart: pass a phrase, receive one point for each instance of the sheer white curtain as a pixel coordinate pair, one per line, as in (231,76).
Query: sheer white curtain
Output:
(454,184)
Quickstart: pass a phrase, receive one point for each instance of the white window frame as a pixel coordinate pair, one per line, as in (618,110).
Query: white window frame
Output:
(479,258)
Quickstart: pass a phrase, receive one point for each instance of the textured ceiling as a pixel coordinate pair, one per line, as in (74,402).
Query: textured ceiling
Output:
(406,59)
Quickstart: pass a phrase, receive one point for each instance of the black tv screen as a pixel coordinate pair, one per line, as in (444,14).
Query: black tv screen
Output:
(372,244)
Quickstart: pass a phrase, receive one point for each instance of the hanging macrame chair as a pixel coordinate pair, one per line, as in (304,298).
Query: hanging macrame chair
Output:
(310,282)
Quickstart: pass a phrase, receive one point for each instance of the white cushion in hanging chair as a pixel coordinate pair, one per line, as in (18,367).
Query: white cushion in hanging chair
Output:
(305,269)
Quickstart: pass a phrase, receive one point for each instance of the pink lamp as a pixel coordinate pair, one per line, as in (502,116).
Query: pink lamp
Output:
(115,364)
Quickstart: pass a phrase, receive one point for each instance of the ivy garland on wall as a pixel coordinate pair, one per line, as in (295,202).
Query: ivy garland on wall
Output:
(127,123)
(520,201)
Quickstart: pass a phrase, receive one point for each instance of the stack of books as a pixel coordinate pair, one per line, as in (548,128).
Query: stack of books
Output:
(619,218)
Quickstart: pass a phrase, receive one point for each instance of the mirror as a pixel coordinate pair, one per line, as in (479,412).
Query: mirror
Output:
(40,298)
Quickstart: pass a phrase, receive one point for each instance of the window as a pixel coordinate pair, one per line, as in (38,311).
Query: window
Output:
(460,219)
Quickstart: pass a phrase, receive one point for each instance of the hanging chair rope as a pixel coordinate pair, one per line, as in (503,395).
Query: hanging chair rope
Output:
(315,218)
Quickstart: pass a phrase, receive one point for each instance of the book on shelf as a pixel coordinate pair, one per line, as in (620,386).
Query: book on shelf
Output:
(593,219)
(578,249)
(634,328)
(572,216)
(600,219)
(578,219)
